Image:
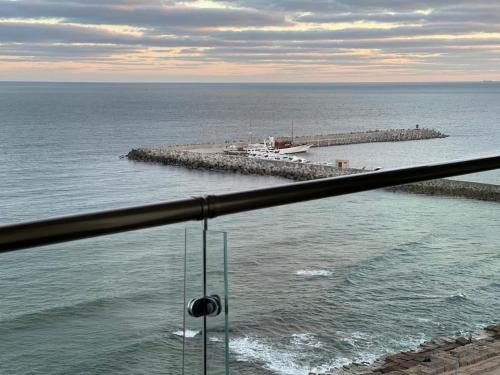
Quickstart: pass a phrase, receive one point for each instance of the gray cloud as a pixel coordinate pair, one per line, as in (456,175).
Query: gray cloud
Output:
(357,33)
(62,52)
(62,33)
(353,38)
(145,15)
(193,32)
(355,6)
(467,14)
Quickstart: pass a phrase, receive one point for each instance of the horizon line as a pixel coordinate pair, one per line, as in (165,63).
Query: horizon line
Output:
(257,82)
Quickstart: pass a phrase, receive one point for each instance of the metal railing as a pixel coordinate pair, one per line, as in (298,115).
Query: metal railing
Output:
(62,229)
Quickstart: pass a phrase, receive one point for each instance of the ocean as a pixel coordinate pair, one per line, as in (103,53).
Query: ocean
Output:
(316,285)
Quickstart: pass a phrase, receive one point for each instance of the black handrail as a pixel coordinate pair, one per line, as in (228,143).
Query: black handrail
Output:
(62,229)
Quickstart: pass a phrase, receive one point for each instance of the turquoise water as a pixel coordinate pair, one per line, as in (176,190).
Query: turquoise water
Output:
(314,285)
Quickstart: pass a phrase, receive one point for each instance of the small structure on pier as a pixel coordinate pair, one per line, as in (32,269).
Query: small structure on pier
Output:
(342,163)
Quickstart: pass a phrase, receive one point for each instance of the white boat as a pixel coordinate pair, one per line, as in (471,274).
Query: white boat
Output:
(273,155)
(258,147)
(295,149)
(269,145)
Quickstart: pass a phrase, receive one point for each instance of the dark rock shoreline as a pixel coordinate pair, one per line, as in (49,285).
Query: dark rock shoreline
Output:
(460,355)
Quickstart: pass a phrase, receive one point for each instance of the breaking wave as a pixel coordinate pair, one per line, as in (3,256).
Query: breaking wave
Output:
(280,361)
(313,273)
(459,296)
(189,333)
(305,339)
(252,350)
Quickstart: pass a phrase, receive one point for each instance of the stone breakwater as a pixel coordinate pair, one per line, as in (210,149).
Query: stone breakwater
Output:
(389,135)
(337,139)
(300,172)
(465,189)
(239,164)
(447,356)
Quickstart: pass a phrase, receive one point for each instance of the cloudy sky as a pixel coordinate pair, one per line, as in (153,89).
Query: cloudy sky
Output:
(250,40)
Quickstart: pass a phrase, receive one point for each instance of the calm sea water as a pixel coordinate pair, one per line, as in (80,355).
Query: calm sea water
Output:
(314,285)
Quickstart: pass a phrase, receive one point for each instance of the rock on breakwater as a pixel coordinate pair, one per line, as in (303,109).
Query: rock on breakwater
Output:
(388,135)
(240,164)
(465,189)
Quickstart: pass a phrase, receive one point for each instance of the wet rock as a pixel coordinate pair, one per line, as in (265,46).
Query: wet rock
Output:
(462,341)
(495,328)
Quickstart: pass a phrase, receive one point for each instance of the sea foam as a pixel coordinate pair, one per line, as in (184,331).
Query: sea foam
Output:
(189,333)
(305,339)
(253,350)
(312,273)
(280,361)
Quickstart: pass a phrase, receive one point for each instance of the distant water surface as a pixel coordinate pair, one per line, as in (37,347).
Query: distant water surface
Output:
(313,285)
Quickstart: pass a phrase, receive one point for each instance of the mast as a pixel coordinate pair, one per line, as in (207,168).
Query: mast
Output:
(250,131)
(292,132)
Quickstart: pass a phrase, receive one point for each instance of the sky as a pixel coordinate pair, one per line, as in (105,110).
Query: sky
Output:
(250,40)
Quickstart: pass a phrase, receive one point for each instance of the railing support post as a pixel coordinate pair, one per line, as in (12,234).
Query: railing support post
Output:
(204,330)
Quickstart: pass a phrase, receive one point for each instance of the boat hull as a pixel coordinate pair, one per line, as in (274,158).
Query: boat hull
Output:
(295,150)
